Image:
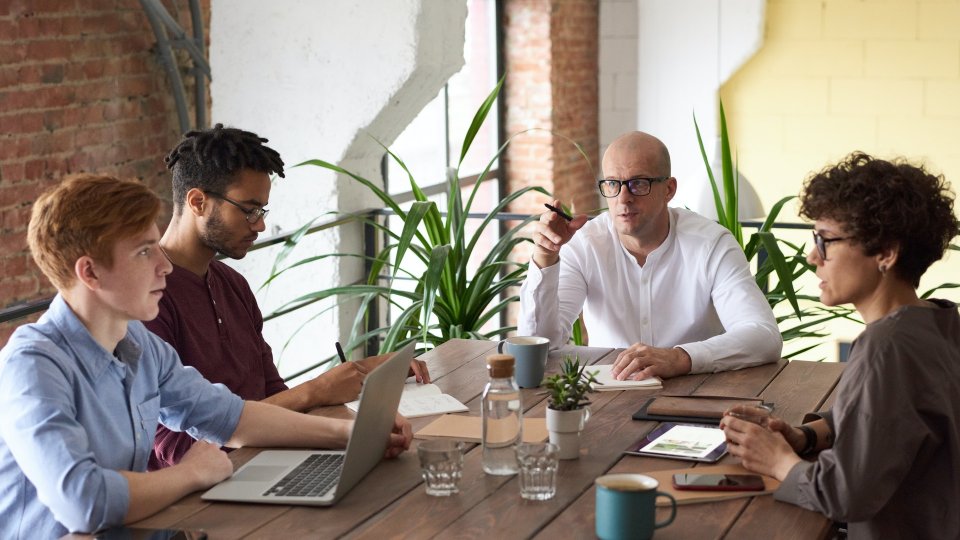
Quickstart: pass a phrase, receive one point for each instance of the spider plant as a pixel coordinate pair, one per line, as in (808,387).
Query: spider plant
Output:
(775,257)
(449,298)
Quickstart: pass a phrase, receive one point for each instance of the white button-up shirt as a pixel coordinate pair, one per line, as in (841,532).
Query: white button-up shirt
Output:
(695,291)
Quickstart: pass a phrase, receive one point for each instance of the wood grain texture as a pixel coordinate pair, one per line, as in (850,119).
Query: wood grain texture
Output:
(391,502)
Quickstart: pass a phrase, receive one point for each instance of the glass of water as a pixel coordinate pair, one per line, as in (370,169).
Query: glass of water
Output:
(441,464)
(538,470)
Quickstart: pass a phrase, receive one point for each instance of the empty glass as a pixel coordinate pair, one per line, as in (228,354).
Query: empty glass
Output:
(441,464)
(758,414)
(538,470)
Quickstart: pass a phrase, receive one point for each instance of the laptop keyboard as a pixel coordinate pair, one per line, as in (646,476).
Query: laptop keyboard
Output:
(312,478)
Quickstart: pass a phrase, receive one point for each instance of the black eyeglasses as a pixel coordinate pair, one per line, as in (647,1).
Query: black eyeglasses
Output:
(822,242)
(252,215)
(638,186)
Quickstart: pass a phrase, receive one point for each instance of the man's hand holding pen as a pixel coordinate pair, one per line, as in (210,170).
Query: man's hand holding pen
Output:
(552,231)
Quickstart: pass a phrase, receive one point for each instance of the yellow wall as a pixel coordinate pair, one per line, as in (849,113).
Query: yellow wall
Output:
(833,76)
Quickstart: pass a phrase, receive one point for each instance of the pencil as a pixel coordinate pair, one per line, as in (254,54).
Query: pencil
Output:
(559,212)
(343,358)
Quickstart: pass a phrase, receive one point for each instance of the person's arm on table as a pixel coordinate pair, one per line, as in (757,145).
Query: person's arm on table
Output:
(751,336)
(553,292)
(262,424)
(202,466)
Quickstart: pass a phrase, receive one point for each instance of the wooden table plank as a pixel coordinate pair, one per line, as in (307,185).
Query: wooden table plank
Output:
(742,382)
(801,387)
(792,522)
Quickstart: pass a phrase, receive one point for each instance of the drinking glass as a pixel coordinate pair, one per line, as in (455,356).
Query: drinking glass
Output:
(538,470)
(441,464)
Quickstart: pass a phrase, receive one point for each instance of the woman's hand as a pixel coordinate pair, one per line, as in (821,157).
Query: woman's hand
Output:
(760,450)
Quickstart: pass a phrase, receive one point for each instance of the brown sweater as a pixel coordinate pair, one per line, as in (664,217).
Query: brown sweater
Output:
(894,468)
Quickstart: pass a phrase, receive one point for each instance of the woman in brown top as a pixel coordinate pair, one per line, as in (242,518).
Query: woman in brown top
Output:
(889,448)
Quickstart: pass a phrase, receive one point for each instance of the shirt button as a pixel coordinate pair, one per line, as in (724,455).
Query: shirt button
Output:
(219,321)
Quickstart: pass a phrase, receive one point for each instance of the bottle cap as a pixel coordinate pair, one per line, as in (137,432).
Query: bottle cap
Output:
(500,365)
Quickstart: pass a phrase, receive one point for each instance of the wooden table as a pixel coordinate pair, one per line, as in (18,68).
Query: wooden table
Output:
(391,503)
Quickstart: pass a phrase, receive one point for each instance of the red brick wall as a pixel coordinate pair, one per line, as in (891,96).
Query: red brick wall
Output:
(551,53)
(81,89)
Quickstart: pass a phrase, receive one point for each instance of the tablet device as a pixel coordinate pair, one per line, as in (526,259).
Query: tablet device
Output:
(692,442)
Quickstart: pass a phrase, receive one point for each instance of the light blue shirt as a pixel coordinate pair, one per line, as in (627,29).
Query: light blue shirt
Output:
(73,415)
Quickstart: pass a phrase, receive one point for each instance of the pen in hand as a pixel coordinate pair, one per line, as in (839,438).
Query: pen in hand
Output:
(343,358)
(559,212)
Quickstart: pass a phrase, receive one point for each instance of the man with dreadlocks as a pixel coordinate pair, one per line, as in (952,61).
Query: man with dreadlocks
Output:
(221,186)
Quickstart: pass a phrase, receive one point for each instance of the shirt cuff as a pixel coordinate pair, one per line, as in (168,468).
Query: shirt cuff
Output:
(118,497)
(698,357)
(790,490)
(229,421)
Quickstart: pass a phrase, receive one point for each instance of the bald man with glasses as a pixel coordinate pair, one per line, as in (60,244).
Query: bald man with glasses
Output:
(669,286)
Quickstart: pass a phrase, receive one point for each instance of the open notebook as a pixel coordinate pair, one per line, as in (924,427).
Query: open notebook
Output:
(605,376)
(423,400)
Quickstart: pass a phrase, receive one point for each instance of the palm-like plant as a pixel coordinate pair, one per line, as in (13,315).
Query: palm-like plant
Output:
(449,299)
(807,315)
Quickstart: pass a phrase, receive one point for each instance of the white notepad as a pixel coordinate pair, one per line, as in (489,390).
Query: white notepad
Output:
(423,400)
(606,377)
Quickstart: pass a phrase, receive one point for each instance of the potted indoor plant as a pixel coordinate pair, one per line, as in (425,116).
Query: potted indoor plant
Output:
(567,409)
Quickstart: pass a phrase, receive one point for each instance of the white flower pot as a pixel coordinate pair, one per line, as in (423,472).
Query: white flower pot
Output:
(565,428)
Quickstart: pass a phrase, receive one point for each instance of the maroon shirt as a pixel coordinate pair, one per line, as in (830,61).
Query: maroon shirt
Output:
(214,324)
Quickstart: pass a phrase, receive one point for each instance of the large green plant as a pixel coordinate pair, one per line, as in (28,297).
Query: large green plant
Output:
(449,299)
(776,258)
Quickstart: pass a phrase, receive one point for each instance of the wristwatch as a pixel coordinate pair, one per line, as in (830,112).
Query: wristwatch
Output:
(811,440)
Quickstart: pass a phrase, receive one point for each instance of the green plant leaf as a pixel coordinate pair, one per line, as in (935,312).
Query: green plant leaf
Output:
(478,119)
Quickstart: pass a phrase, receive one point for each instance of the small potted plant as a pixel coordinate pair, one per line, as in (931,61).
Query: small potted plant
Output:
(567,409)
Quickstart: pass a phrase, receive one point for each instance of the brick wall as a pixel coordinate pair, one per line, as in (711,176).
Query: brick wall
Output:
(81,89)
(551,57)
(551,64)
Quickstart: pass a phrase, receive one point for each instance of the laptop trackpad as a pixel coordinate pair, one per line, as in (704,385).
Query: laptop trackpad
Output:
(258,473)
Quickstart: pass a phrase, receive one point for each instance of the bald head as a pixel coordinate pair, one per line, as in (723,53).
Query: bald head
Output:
(636,150)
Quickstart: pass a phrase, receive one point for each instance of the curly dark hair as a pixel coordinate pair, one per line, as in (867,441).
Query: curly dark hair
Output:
(209,159)
(885,204)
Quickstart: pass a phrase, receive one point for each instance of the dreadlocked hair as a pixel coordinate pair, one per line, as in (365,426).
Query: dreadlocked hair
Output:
(208,159)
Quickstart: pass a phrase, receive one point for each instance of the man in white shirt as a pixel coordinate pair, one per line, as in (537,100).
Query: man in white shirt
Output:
(667,284)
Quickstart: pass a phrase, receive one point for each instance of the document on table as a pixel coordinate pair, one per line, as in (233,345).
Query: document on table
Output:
(422,400)
(610,383)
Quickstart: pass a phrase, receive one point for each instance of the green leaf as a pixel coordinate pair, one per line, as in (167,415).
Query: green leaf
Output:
(478,119)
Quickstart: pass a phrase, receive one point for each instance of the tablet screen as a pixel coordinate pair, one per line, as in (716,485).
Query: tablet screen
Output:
(684,441)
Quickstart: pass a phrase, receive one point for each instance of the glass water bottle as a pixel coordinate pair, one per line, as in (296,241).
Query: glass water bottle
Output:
(502,416)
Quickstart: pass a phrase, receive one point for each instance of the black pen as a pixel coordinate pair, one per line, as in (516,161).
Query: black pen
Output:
(559,212)
(343,358)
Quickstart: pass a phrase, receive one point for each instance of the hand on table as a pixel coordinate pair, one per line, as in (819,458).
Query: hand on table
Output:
(641,361)
(207,462)
(400,438)
(760,449)
(551,232)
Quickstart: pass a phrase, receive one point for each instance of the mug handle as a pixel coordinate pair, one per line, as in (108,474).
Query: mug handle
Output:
(673,510)
(500,346)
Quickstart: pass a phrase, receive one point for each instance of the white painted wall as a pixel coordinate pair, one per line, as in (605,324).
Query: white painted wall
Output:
(683,52)
(317,78)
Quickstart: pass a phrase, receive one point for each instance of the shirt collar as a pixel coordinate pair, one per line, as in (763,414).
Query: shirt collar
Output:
(657,253)
(93,357)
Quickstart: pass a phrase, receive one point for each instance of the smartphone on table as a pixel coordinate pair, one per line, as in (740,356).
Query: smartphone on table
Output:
(718,482)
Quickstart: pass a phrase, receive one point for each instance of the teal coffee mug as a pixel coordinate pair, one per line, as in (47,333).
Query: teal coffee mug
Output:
(530,353)
(626,506)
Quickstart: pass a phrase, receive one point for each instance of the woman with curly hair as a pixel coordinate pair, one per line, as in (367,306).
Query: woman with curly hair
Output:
(886,457)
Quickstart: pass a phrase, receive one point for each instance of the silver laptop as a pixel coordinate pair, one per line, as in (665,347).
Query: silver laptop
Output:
(322,477)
